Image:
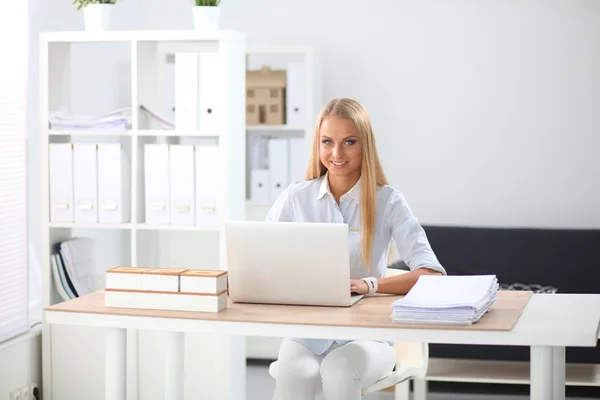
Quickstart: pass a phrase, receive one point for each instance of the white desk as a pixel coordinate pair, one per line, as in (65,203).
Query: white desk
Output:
(549,323)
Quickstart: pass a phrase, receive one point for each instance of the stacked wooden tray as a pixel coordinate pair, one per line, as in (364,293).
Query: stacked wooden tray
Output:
(166,289)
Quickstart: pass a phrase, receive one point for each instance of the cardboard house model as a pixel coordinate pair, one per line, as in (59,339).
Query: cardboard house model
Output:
(265,97)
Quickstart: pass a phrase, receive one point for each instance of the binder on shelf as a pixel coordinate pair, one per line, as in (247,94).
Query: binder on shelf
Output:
(181,172)
(156,183)
(85,182)
(278,167)
(61,182)
(210,91)
(113,184)
(297,161)
(186,91)
(296,97)
(208,185)
(259,186)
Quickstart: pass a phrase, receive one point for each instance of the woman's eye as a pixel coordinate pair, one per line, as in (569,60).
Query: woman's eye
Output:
(350,142)
(327,141)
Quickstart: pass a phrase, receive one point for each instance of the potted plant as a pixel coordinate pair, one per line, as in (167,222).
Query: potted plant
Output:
(206,15)
(96,13)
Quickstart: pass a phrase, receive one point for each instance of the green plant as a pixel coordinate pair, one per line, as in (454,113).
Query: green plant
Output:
(207,3)
(84,3)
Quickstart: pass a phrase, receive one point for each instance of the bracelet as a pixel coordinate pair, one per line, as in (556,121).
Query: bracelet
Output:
(371,284)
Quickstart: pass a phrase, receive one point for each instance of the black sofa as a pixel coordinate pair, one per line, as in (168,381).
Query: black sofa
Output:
(566,259)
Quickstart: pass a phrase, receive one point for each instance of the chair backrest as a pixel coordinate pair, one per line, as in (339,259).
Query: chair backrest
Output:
(410,354)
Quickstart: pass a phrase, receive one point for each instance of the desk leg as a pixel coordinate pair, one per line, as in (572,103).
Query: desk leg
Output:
(542,372)
(219,366)
(115,366)
(559,373)
(173,366)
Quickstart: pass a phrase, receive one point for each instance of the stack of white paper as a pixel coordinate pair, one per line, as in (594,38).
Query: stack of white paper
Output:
(449,300)
(117,120)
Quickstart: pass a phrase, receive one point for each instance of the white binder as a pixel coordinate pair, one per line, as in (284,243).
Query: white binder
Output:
(156,183)
(208,186)
(296,97)
(186,92)
(298,162)
(60,160)
(259,186)
(210,93)
(113,184)
(85,182)
(181,171)
(278,167)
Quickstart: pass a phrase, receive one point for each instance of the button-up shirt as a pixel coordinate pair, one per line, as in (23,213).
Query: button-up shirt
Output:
(312,201)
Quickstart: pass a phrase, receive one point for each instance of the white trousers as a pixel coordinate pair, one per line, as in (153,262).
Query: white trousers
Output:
(340,373)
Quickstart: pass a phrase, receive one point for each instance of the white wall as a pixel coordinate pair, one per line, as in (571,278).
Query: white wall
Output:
(20,364)
(485,111)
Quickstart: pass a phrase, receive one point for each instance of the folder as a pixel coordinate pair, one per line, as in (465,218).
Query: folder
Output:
(210,93)
(259,186)
(85,182)
(297,159)
(113,184)
(181,171)
(278,167)
(156,183)
(60,160)
(296,97)
(208,186)
(186,92)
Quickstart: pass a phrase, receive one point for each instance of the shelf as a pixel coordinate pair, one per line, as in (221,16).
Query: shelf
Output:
(159,132)
(141,35)
(503,372)
(192,228)
(273,128)
(88,132)
(76,225)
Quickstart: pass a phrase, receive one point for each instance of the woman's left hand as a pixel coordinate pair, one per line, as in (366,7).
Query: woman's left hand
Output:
(358,286)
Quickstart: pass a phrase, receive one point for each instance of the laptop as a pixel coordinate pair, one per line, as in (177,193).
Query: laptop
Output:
(296,263)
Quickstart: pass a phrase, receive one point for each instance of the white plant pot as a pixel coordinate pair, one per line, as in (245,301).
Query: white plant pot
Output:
(206,18)
(97,16)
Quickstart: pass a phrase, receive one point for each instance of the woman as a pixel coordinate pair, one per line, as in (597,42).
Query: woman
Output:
(346,184)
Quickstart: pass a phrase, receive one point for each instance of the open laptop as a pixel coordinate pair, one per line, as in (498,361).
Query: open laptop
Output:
(289,263)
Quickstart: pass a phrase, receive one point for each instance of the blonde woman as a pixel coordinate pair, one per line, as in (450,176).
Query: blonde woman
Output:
(346,184)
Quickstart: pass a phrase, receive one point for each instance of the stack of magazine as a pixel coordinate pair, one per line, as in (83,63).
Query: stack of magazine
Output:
(115,120)
(448,300)
(73,268)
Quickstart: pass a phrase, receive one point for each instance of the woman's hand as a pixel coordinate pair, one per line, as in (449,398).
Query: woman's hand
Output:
(358,286)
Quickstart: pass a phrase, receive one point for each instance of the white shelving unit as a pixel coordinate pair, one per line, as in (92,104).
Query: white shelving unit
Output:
(68,80)
(278,57)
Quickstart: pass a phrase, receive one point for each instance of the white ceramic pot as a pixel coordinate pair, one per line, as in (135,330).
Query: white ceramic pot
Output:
(206,18)
(97,16)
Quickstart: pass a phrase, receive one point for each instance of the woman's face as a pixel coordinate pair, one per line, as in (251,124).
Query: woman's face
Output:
(339,147)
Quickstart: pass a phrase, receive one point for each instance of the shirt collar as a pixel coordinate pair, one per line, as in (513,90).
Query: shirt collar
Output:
(324,189)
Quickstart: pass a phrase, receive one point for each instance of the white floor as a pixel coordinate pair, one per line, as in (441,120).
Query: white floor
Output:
(261,386)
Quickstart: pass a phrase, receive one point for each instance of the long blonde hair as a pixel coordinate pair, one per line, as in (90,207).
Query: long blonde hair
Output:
(371,171)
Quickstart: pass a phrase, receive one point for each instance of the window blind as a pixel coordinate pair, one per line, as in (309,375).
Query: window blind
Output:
(13,171)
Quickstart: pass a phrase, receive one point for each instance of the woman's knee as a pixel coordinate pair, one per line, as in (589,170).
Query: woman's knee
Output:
(297,364)
(344,364)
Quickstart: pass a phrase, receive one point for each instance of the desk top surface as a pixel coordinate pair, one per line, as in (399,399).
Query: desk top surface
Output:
(554,319)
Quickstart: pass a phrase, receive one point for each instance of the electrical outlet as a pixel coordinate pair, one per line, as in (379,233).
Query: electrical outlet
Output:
(25,393)
(15,394)
(34,392)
